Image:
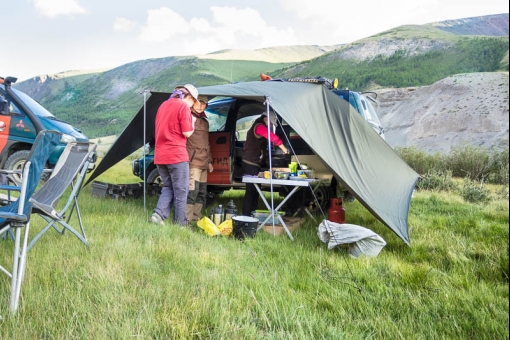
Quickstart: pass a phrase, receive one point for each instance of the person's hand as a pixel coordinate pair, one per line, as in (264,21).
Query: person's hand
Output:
(211,168)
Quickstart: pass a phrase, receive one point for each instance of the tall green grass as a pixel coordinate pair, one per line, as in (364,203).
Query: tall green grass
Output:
(144,281)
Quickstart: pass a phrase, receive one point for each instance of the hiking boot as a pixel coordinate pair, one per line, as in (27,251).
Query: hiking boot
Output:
(155,218)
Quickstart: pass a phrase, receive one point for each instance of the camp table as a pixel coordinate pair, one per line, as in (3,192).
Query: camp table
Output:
(257,181)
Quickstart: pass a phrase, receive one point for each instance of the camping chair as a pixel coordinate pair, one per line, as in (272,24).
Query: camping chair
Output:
(70,171)
(16,214)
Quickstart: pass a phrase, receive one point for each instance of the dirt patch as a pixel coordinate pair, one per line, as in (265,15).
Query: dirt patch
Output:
(465,109)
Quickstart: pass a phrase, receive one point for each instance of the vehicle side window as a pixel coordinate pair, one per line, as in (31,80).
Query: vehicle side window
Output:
(216,122)
(243,125)
(13,109)
(217,114)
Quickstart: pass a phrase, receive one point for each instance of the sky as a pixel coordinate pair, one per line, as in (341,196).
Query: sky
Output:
(51,36)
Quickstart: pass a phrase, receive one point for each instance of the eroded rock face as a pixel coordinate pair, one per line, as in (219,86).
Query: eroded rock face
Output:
(465,109)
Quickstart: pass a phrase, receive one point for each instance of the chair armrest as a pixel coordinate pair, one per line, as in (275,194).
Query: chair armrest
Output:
(10,188)
(13,216)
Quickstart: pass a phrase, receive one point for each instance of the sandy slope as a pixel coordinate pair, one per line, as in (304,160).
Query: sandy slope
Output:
(462,109)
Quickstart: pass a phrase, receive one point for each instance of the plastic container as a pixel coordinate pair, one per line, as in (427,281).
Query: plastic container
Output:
(281,175)
(261,215)
(336,212)
(243,226)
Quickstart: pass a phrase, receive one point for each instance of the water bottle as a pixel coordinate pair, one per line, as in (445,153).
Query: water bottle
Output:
(230,210)
(213,211)
(218,215)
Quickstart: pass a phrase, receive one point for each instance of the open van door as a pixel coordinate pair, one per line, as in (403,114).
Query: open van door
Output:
(221,146)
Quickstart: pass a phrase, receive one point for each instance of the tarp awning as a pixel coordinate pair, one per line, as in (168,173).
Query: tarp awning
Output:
(361,160)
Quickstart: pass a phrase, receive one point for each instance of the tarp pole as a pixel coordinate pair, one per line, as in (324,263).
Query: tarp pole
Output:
(270,156)
(143,151)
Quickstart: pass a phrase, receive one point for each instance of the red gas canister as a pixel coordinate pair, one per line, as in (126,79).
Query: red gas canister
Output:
(336,212)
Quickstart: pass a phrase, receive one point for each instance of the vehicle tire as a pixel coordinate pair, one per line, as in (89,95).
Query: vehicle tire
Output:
(154,177)
(17,161)
(323,195)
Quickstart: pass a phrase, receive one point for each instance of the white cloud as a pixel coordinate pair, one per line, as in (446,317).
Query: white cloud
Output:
(229,28)
(124,25)
(343,22)
(54,8)
(247,24)
(162,25)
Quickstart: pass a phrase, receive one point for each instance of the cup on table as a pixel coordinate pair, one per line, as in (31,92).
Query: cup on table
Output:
(293,167)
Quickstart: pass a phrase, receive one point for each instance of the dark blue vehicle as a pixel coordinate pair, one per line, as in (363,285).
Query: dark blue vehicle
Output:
(21,117)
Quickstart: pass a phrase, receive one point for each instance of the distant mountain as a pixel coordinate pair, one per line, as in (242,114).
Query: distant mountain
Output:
(489,25)
(103,103)
(280,54)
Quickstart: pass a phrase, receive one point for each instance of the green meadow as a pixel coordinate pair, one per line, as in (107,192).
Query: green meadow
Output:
(142,281)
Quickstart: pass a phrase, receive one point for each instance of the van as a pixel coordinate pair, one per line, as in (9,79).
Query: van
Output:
(21,117)
(229,121)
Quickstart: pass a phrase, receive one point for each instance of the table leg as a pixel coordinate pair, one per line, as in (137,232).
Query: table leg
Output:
(275,211)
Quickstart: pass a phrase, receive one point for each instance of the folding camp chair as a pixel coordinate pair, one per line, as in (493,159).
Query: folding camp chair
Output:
(70,171)
(16,214)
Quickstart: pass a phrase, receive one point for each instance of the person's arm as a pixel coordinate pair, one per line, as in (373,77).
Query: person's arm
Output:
(188,133)
(262,130)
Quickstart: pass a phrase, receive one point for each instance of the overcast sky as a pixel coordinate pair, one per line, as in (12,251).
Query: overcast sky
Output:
(50,36)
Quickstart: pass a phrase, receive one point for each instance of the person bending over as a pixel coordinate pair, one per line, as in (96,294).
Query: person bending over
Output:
(174,124)
(254,147)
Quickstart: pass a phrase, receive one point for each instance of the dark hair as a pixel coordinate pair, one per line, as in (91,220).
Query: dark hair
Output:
(259,120)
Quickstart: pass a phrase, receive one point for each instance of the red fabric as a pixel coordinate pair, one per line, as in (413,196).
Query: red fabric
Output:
(173,118)
(262,130)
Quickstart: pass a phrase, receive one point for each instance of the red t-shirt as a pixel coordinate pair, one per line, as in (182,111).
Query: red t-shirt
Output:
(173,118)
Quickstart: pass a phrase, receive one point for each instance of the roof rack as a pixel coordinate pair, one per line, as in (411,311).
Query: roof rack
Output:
(330,83)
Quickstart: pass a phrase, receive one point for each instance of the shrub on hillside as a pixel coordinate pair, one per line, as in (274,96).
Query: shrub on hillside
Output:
(421,161)
(475,163)
(499,168)
(436,180)
(474,191)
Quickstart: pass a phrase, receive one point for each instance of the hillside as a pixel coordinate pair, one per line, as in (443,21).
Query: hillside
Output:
(462,109)
(490,25)
(280,54)
(399,60)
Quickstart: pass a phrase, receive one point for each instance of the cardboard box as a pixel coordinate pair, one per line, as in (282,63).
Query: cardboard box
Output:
(292,223)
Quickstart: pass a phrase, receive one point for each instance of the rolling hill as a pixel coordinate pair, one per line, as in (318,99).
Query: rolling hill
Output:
(411,56)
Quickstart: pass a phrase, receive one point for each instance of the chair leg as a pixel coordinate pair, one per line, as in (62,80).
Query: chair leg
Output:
(18,267)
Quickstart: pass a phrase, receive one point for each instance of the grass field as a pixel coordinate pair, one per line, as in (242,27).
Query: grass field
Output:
(143,281)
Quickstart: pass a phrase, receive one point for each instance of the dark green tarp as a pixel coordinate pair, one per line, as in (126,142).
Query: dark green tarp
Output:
(361,160)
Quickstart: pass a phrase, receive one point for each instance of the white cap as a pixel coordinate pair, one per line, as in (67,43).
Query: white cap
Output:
(191,89)
(272,117)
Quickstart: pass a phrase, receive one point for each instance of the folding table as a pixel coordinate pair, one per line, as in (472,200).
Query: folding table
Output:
(257,181)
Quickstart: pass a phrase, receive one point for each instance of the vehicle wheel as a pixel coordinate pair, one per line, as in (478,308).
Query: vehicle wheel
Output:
(16,161)
(154,178)
(323,195)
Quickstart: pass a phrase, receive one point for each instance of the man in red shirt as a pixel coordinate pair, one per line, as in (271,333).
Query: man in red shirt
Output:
(174,124)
